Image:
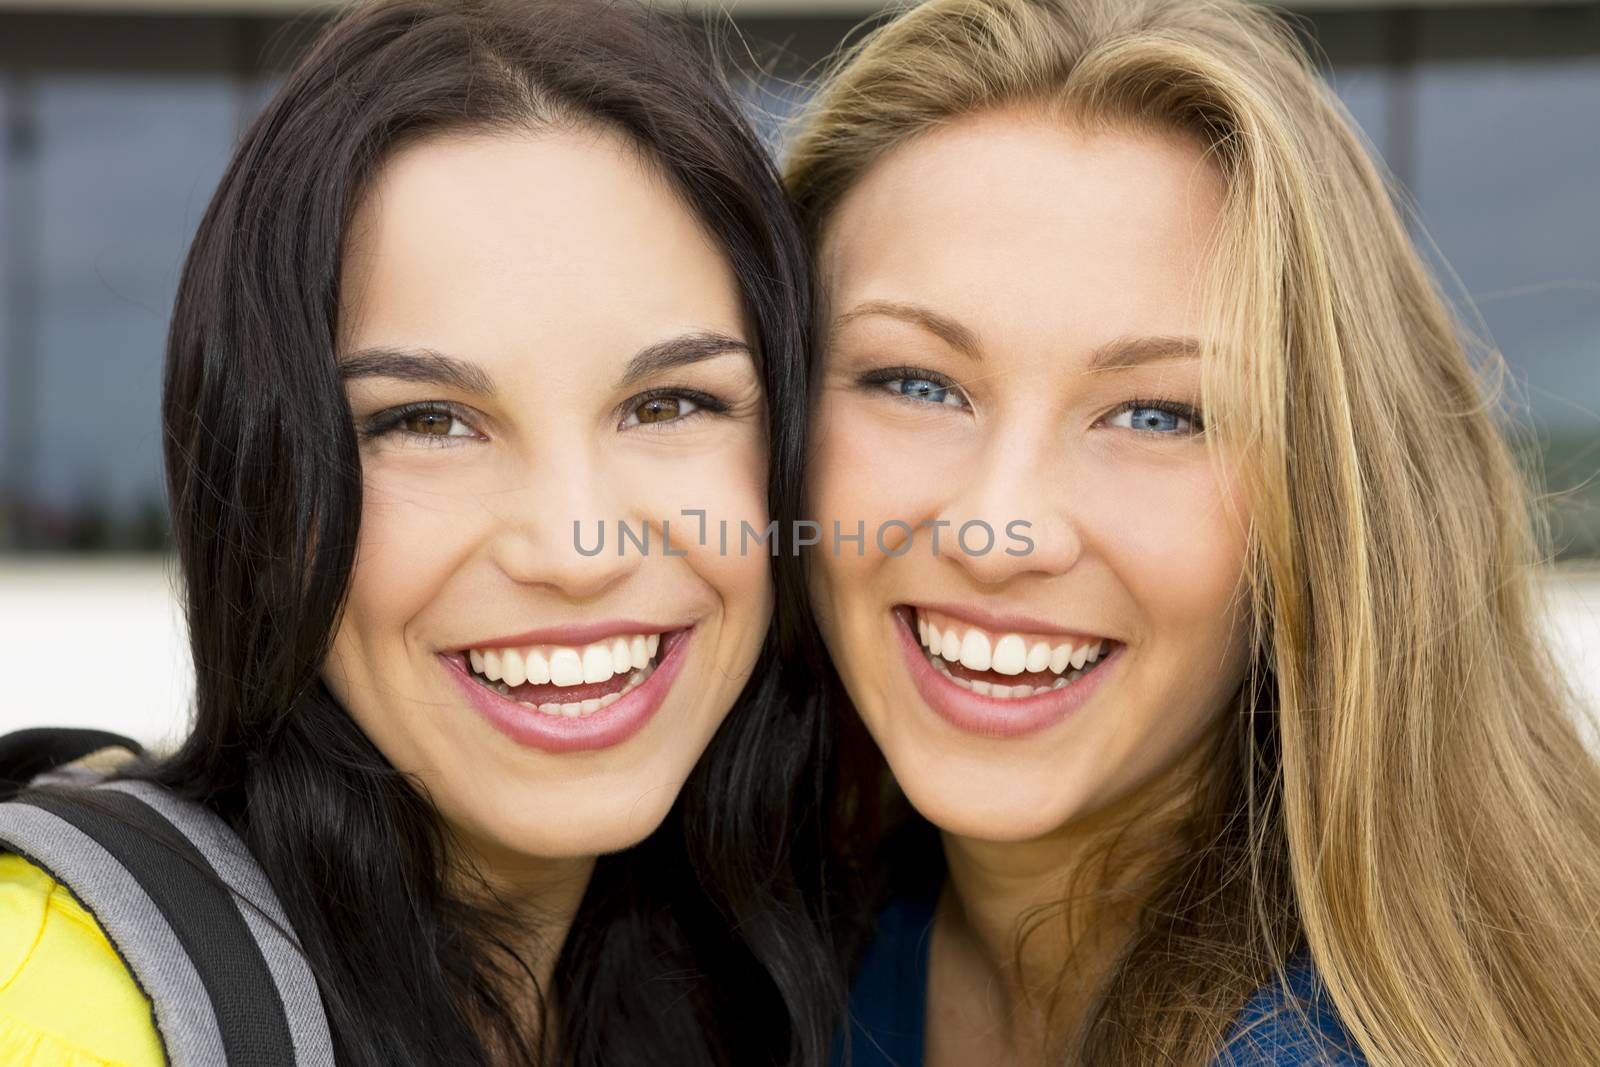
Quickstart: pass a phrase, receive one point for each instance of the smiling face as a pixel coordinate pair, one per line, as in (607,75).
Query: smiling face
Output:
(535,331)
(1016,324)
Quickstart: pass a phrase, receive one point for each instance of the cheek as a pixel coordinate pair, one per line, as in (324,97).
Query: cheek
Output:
(1182,564)
(871,463)
(723,475)
(411,538)
(714,502)
(841,486)
(1176,538)
(869,466)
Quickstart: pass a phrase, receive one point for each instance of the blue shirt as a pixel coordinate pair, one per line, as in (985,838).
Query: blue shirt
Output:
(889,999)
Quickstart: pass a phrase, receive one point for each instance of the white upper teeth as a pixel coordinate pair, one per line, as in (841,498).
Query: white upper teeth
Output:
(561,665)
(1010,653)
(975,651)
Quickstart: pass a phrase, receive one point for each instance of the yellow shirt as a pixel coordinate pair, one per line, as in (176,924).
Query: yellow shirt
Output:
(66,998)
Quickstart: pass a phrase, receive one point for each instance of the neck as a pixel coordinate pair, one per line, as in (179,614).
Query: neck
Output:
(538,898)
(1037,925)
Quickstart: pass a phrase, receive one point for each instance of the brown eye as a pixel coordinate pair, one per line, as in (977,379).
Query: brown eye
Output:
(660,409)
(429,423)
(664,409)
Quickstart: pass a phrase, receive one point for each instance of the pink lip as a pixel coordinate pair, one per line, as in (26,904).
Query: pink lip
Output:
(585,634)
(558,734)
(990,716)
(997,623)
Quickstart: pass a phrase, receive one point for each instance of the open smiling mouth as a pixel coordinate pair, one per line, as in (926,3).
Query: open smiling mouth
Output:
(570,681)
(1003,666)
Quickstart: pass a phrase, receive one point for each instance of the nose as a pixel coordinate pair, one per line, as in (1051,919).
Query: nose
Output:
(547,529)
(1006,520)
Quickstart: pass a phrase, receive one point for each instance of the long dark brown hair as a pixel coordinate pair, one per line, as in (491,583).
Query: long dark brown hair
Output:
(698,946)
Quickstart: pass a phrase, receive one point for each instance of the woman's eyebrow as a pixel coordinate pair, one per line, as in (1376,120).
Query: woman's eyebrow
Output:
(681,351)
(417,365)
(946,329)
(1127,352)
(435,368)
(1121,354)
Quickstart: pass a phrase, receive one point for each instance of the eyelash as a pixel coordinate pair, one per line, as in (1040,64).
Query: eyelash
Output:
(392,420)
(705,404)
(1197,423)
(883,376)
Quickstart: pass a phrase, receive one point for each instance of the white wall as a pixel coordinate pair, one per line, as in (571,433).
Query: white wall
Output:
(102,644)
(1573,617)
(93,643)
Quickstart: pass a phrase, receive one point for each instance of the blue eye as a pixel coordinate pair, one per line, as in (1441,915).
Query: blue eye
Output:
(920,389)
(916,385)
(1157,417)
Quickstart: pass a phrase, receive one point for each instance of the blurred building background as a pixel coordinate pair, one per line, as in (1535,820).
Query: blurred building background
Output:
(117,118)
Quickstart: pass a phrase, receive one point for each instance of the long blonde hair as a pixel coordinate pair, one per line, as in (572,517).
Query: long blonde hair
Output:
(1407,794)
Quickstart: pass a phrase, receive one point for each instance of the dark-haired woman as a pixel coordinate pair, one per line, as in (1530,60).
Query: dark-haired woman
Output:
(486,284)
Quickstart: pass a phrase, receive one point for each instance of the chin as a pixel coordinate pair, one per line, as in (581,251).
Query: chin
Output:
(578,824)
(967,814)
(985,799)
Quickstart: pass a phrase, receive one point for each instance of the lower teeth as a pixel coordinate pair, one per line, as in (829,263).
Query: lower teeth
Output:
(1012,692)
(576,708)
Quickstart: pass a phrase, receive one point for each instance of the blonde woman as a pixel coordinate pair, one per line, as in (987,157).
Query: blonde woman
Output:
(1180,574)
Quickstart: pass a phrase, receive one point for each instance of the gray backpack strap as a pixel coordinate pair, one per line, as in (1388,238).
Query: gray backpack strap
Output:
(189,911)
(286,962)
